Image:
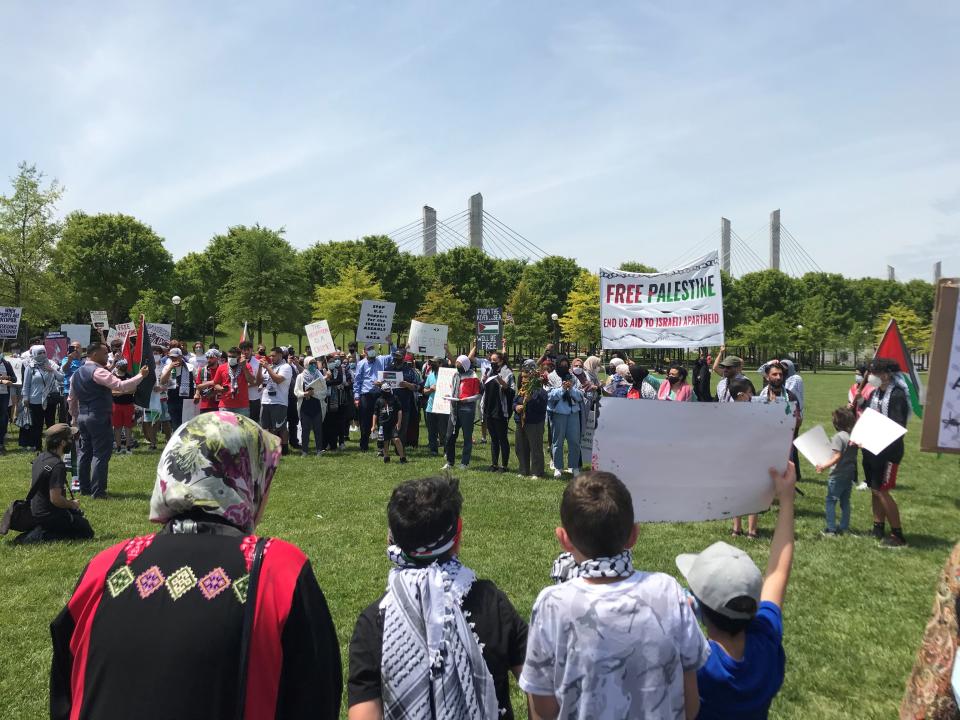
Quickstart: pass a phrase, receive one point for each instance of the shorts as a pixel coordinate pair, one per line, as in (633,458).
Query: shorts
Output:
(122,416)
(886,479)
(386,432)
(273,417)
(880,471)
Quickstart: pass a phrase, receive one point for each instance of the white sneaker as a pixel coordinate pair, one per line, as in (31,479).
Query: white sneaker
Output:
(462,466)
(574,471)
(521,475)
(446,466)
(552,466)
(862,486)
(342,446)
(557,474)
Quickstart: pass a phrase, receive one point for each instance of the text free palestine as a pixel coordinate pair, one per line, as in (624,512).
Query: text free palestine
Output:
(679,290)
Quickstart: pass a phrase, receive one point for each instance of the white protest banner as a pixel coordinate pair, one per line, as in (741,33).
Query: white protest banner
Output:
(391,376)
(10,321)
(815,446)
(376,321)
(445,376)
(680,308)
(77,333)
(319,338)
(159,334)
(427,339)
(875,432)
(98,318)
(693,461)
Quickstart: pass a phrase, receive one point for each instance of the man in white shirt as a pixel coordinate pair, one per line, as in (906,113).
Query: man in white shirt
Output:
(273,401)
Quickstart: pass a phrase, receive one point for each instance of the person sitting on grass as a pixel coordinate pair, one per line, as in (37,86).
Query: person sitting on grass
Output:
(441,642)
(388,415)
(609,641)
(843,472)
(742,613)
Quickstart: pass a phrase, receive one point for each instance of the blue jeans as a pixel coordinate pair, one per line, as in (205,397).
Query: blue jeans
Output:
(838,491)
(565,427)
(465,413)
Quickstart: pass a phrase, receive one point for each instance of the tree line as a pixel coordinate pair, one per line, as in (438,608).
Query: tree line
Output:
(59,270)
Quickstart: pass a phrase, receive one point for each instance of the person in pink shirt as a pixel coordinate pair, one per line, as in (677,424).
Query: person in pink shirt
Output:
(91,409)
(676,387)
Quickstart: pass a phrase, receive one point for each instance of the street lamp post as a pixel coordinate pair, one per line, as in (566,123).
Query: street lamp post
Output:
(213,329)
(556,331)
(176,300)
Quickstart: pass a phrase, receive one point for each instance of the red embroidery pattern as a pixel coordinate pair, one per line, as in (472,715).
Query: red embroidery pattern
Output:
(249,545)
(137,545)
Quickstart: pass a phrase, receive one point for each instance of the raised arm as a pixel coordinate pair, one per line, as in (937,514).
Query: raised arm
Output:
(718,359)
(781,548)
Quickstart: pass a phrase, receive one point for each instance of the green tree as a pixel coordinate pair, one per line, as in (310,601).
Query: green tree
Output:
(265,282)
(636,267)
(28,235)
(340,304)
(154,305)
(915,331)
(765,293)
(549,281)
(581,322)
(473,275)
(526,329)
(109,260)
(442,306)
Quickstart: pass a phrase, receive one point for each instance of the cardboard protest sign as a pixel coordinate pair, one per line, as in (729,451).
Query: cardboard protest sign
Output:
(815,446)
(680,308)
(390,376)
(441,405)
(159,334)
(319,338)
(693,461)
(875,432)
(77,333)
(427,339)
(376,321)
(125,330)
(10,321)
(98,318)
(56,344)
(489,329)
(941,420)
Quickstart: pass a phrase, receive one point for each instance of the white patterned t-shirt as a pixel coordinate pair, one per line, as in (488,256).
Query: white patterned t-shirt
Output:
(616,650)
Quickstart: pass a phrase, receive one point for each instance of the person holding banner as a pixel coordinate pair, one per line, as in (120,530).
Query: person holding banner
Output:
(91,407)
(564,402)
(889,398)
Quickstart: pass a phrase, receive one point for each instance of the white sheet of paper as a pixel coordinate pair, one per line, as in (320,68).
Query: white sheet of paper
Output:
(320,339)
(814,445)
(441,402)
(426,338)
(685,462)
(875,431)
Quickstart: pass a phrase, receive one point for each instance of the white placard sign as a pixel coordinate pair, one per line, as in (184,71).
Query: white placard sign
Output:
(77,333)
(445,376)
(320,339)
(700,461)
(875,432)
(10,321)
(125,330)
(376,321)
(427,339)
(98,318)
(815,446)
(159,334)
(680,308)
(391,376)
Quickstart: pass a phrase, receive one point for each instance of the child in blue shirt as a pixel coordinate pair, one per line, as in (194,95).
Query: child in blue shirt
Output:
(742,613)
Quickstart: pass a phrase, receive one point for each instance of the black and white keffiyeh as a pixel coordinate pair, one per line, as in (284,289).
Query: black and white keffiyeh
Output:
(565,567)
(432,664)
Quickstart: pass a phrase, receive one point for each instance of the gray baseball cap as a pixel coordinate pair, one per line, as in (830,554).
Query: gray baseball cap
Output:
(720,574)
(731,361)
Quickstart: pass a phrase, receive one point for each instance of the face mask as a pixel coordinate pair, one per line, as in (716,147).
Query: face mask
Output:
(157,357)
(233,361)
(336,363)
(372,354)
(858,378)
(874,380)
(673,380)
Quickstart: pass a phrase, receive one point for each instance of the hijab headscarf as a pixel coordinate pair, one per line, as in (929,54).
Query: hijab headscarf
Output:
(38,357)
(217,463)
(592,365)
(463,362)
(310,373)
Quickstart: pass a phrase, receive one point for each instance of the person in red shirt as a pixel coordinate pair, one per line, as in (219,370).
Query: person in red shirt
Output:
(232,380)
(208,395)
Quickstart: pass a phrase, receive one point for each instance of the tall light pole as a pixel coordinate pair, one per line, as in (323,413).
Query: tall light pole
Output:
(213,329)
(176,300)
(556,332)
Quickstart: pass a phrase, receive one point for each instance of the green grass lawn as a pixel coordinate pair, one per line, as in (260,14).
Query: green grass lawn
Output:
(854,613)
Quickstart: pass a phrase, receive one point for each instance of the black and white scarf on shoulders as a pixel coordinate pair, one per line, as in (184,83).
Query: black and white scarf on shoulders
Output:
(565,567)
(432,663)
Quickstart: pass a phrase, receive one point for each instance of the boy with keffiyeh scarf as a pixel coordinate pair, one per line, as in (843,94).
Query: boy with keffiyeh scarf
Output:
(609,641)
(440,643)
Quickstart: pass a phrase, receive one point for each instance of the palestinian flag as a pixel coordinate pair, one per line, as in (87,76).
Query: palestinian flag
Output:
(138,356)
(892,346)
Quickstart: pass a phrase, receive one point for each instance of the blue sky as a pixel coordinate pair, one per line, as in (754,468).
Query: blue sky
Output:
(605,131)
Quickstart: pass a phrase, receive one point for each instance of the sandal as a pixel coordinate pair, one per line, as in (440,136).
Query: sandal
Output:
(753,536)
(736,533)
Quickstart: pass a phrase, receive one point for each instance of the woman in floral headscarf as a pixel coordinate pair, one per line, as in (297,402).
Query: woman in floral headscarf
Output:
(157,625)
